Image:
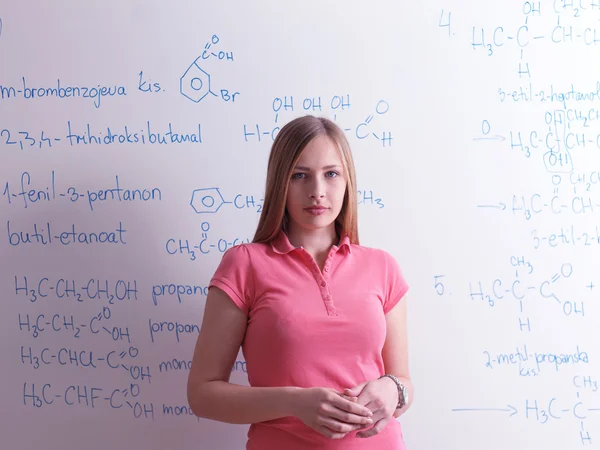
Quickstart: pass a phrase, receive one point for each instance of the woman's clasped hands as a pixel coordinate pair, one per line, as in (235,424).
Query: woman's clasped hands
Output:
(335,414)
(381,397)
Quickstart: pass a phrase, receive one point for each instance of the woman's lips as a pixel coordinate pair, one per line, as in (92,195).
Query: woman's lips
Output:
(316,210)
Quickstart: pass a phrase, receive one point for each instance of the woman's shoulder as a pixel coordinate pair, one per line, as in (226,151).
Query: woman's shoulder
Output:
(374,256)
(370,252)
(384,262)
(247,249)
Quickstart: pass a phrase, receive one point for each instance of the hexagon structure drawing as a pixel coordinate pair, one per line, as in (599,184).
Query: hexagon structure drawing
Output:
(207,200)
(195,83)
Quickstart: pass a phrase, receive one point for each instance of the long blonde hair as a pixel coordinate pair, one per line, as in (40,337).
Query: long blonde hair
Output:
(285,152)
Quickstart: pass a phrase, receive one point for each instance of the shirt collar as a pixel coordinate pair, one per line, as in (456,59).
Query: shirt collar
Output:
(282,245)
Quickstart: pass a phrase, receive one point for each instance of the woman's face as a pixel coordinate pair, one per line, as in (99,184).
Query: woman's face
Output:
(317,186)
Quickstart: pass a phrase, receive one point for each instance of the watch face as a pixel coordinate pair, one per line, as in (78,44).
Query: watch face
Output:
(404,395)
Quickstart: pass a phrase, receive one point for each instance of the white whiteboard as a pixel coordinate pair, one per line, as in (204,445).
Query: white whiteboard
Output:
(475,130)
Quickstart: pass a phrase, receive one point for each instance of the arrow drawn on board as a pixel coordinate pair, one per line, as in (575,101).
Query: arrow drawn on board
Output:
(501,206)
(490,138)
(511,409)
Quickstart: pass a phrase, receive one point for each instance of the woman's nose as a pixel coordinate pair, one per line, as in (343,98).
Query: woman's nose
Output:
(316,191)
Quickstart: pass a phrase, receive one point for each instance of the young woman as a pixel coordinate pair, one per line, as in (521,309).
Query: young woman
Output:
(319,317)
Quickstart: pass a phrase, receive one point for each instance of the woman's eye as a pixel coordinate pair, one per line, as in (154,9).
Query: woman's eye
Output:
(332,174)
(298,175)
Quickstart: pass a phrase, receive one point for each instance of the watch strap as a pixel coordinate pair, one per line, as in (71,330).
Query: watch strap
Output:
(401,389)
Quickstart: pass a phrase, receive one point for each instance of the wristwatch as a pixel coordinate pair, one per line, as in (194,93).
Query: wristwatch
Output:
(402,391)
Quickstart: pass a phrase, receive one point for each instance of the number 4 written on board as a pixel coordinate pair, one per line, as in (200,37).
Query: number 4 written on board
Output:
(445,18)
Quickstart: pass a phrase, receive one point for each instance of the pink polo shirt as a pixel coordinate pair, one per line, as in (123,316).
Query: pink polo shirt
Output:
(309,328)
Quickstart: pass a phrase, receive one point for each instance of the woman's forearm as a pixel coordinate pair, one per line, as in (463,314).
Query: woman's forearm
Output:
(233,403)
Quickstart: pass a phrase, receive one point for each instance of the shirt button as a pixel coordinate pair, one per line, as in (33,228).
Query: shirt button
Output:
(326,268)
(323,283)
